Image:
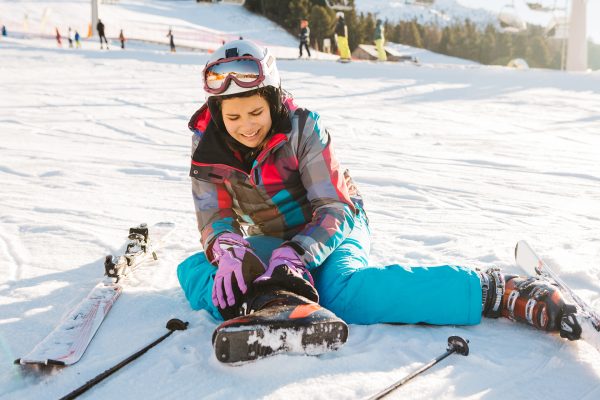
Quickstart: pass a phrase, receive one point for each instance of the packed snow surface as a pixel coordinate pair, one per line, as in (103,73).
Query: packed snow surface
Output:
(456,163)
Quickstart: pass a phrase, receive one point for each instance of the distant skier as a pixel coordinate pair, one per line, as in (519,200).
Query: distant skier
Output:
(100,29)
(58,37)
(171,40)
(260,161)
(304,37)
(77,37)
(341,37)
(4,33)
(379,39)
(70,37)
(122,39)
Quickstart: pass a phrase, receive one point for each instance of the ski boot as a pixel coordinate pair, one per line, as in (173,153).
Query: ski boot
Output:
(536,302)
(278,322)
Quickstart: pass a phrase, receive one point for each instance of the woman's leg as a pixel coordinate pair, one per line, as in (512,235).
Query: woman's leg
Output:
(196,274)
(361,294)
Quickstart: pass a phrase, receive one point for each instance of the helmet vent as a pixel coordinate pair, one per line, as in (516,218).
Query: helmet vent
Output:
(233,52)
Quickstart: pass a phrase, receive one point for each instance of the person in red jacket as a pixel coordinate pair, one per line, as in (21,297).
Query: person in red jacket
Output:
(58,37)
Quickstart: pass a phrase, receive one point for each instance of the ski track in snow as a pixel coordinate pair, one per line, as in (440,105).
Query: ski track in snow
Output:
(456,163)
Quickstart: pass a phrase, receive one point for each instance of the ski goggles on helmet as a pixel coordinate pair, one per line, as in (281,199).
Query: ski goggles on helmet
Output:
(245,71)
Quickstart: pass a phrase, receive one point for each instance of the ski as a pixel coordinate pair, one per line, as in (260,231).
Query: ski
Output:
(589,319)
(68,341)
(296,327)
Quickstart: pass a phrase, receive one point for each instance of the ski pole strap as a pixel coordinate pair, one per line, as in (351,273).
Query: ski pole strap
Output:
(456,344)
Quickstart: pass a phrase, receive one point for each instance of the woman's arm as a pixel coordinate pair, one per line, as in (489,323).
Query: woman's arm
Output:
(323,179)
(213,211)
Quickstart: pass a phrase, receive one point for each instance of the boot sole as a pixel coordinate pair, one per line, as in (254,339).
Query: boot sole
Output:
(237,345)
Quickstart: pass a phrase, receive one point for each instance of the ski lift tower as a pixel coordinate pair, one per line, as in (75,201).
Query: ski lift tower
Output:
(577,43)
(94,16)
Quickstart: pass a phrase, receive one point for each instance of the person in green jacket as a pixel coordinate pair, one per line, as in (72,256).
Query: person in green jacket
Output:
(379,39)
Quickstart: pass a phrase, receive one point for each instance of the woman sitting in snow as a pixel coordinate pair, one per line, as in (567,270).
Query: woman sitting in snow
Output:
(276,209)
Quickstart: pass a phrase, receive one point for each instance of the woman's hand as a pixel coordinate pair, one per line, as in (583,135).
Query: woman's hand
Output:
(237,265)
(286,271)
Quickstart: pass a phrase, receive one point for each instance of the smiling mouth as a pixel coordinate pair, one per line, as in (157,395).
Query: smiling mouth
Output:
(250,135)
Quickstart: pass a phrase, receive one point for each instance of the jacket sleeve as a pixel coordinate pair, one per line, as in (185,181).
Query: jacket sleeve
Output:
(213,205)
(213,211)
(323,179)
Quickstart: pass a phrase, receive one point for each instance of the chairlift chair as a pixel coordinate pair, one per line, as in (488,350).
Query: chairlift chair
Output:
(338,5)
(239,2)
(558,27)
(510,20)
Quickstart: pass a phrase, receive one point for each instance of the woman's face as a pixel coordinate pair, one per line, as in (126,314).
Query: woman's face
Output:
(247,119)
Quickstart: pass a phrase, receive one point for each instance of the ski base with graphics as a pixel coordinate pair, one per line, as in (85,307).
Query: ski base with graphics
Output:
(286,324)
(587,316)
(68,341)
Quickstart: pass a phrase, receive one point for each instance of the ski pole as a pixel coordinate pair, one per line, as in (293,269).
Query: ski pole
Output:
(173,325)
(456,344)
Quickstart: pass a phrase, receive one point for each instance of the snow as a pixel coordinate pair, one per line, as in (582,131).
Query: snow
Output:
(456,163)
(445,12)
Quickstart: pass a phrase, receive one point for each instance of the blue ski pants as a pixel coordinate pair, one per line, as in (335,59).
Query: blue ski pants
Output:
(359,293)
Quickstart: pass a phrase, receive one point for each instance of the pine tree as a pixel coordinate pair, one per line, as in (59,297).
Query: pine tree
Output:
(522,49)
(432,38)
(367,29)
(540,53)
(487,46)
(354,27)
(504,48)
(448,42)
(593,55)
(395,34)
(298,10)
(321,23)
(414,37)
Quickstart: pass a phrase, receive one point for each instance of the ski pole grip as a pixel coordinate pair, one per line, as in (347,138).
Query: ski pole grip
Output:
(176,324)
(458,345)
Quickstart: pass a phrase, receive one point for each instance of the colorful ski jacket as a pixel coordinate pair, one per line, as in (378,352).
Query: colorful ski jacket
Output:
(295,189)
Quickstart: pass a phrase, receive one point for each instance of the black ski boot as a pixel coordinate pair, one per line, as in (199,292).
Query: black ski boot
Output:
(278,322)
(531,300)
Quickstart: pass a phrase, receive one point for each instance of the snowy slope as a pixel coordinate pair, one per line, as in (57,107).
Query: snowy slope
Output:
(444,12)
(199,26)
(194,24)
(456,164)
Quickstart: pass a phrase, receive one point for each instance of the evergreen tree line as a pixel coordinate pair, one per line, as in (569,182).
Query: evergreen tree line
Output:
(489,45)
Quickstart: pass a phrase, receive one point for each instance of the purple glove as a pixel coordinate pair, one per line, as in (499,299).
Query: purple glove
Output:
(286,271)
(285,255)
(237,261)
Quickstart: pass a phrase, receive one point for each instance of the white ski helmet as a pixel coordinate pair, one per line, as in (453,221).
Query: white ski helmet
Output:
(239,66)
(339,14)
